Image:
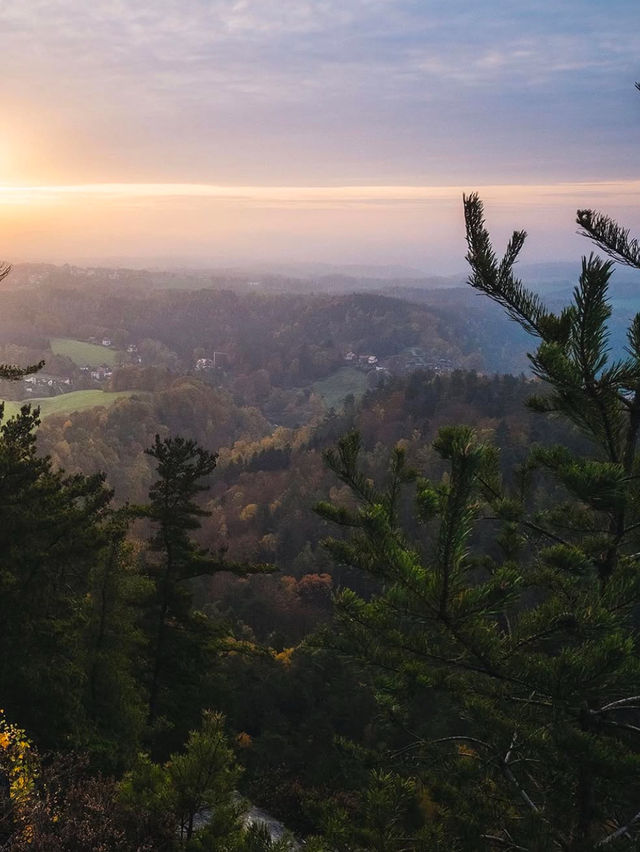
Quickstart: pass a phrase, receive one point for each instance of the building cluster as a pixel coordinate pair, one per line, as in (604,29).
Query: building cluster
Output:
(204,364)
(413,358)
(218,360)
(363,361)
(46,383)
(98,374)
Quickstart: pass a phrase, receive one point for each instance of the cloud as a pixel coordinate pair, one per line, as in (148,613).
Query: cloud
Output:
(318,89)
(249,45)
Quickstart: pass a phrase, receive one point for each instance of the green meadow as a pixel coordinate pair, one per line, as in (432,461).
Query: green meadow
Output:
(67,402)
(336,387)
(83,354)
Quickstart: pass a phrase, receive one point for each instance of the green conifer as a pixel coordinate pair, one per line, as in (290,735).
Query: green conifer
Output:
(517,670)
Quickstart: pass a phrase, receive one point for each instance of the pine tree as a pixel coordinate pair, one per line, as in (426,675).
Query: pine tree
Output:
(50,536)
(183,642)
(516,670)
(181,467)
(116,697)
(190,802)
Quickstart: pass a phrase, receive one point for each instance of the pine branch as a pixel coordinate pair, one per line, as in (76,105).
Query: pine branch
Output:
(507,842)
(634,728)
(496,279)
(461,738)
(508,774)
(503,762)
(343,461)
(620,832)
(547,533)
(610,237)
(619,705)
(459,446)
(12,372)
(591,313)
(633,336)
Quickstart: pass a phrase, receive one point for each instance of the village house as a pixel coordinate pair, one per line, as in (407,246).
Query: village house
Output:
(367,360)
(361,360)
(99,374)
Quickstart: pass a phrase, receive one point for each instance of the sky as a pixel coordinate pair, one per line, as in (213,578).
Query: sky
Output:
(342,131)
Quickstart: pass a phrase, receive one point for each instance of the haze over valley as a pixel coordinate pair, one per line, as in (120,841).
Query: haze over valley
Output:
(319,426)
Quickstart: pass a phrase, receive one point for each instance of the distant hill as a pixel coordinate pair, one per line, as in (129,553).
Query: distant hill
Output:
(284,278)
(319,270)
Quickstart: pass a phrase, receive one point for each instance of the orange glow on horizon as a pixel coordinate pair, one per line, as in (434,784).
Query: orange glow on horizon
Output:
(592,192)
(225,224)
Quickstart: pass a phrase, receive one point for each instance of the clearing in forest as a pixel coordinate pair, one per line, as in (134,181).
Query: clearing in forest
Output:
(83,354)
(65,403)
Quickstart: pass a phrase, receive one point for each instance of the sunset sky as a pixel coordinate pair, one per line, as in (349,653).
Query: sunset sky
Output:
(231,131)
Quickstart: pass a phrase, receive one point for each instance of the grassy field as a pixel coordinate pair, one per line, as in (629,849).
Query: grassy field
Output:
(343,382)
(83,354)
(68,402)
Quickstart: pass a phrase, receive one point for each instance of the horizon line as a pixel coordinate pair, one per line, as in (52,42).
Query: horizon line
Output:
(402,192)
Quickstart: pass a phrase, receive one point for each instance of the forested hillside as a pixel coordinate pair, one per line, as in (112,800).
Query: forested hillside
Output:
(267,482)
(277,564)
